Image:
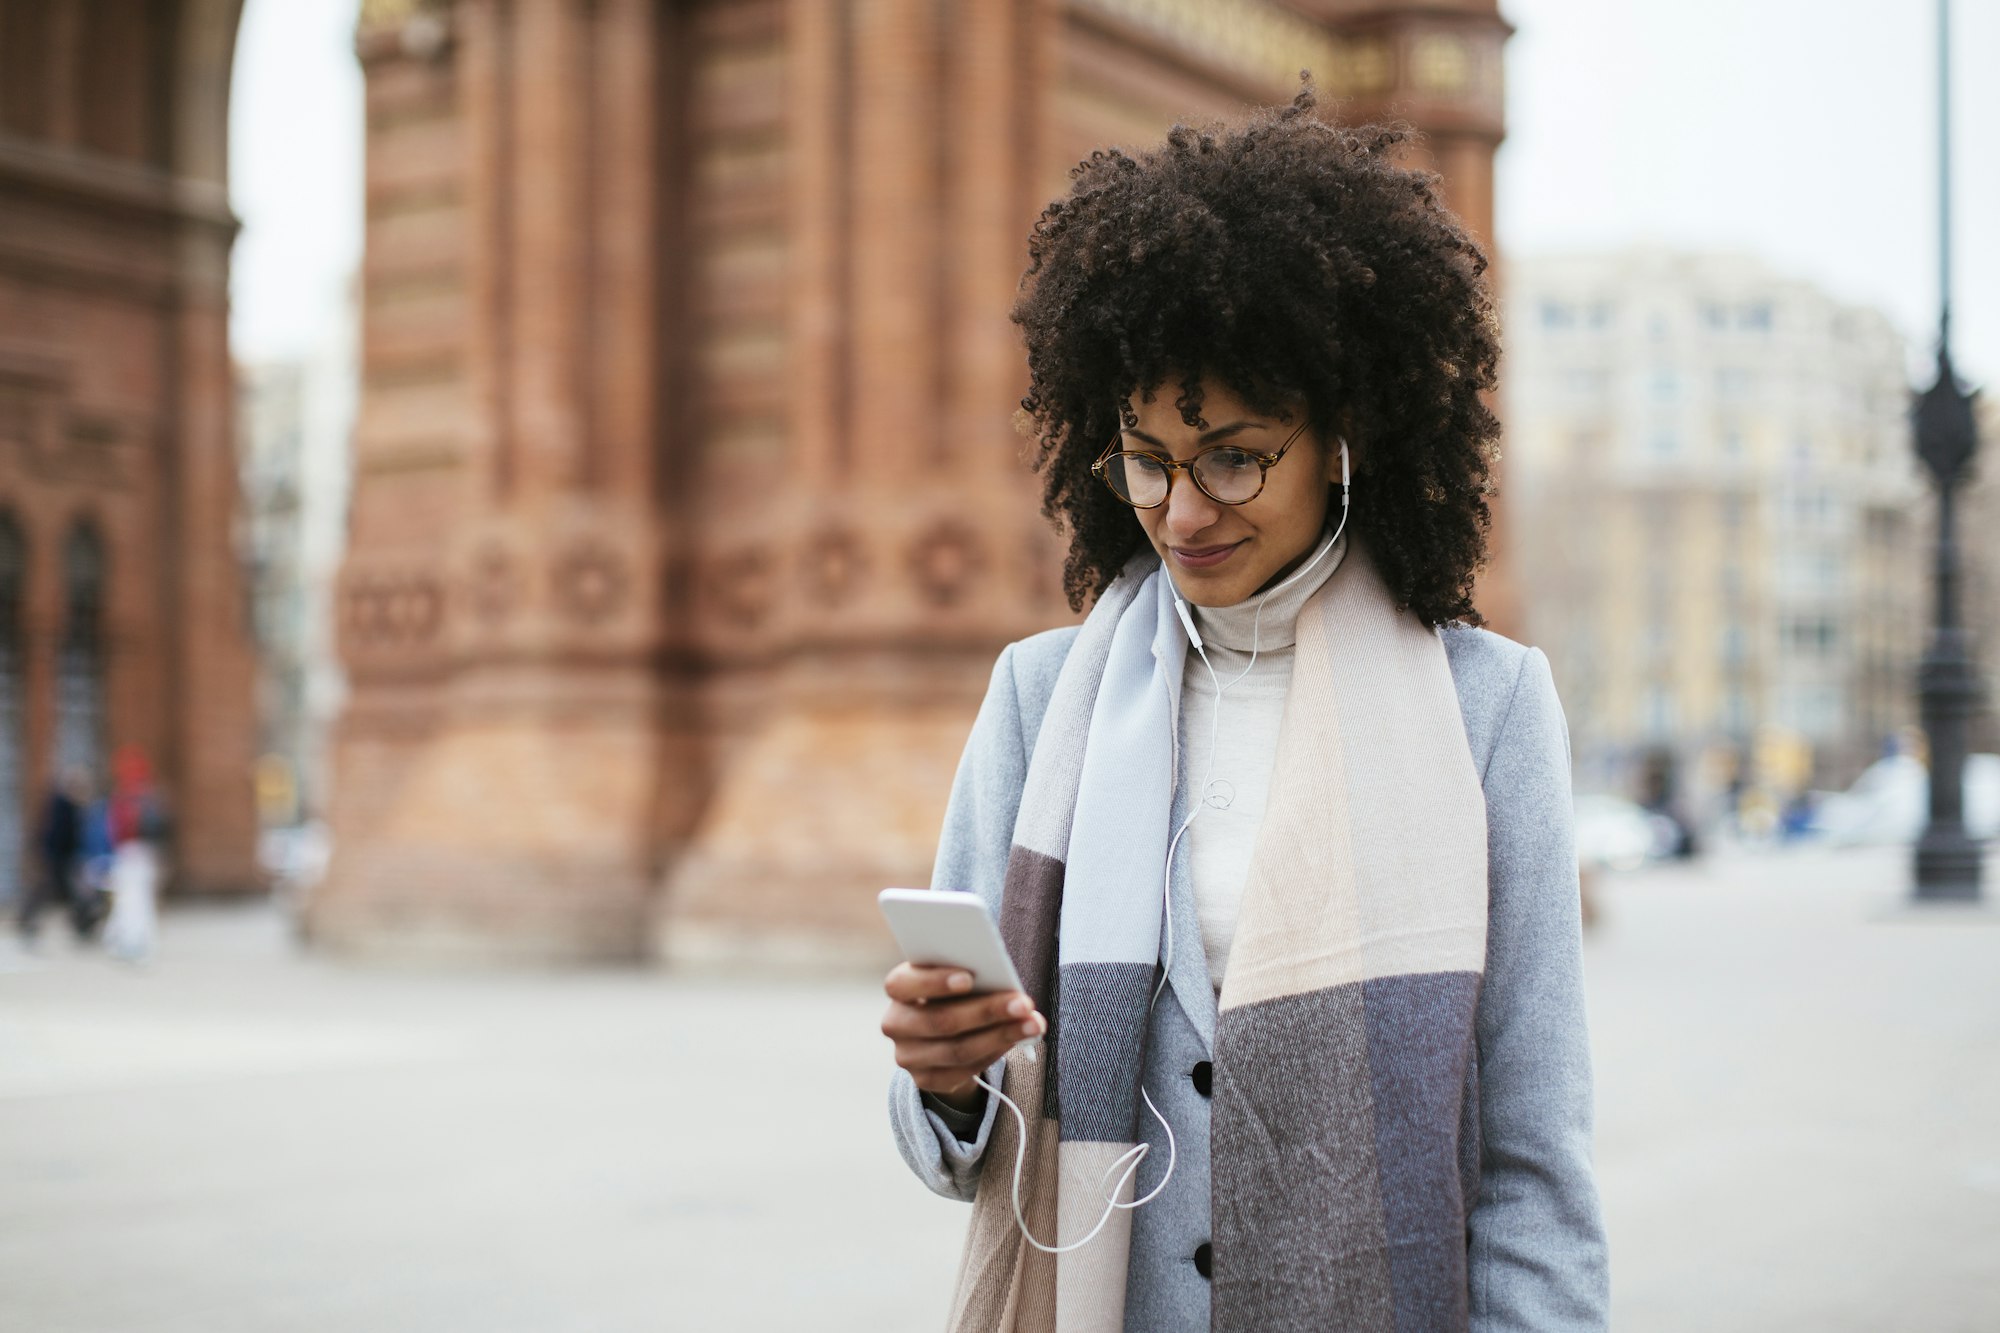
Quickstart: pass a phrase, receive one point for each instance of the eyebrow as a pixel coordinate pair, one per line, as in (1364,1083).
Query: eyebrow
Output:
(1220,432)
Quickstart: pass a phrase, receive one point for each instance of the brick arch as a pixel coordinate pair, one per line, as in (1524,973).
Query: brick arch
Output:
(116,392)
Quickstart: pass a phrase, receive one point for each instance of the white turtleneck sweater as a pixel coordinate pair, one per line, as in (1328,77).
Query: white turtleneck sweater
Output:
(1246,743)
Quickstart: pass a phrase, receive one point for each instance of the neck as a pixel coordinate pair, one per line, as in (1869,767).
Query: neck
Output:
(1268,619)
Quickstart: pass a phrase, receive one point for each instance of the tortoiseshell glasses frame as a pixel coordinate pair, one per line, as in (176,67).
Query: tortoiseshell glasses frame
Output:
(1111,467)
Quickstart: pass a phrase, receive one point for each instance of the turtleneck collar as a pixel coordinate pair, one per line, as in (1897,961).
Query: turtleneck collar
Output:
(1238,627)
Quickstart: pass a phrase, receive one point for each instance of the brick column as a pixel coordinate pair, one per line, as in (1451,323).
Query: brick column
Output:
(210,731)
(850,597)
(500,768)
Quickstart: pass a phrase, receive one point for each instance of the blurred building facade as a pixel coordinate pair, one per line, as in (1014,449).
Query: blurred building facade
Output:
(688,509)
(295,424)
(1717,514)
(121,609)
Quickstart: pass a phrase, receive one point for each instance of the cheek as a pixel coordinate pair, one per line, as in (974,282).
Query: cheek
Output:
(1294,512)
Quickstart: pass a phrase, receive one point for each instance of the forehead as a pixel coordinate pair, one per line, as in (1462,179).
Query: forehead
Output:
(1219,404)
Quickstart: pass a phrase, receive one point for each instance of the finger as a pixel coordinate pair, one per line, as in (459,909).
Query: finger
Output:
(954,1017)
(971,1050)
(923,981)
(950,1018)
(939,1020)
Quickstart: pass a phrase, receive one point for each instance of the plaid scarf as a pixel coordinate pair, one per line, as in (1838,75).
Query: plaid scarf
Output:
(1344,1140)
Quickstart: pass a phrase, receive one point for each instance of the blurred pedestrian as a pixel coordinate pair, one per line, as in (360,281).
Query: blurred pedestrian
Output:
(59,845)
(138,829)
(1333,1038)
(94,865)
(1660,796)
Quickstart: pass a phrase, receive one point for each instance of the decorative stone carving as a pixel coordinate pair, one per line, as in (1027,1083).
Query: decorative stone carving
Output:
(55,440)
(944,561)
(591,583)
(394,610)
(744,587)
(494,587)
(1262,40)
(834,564)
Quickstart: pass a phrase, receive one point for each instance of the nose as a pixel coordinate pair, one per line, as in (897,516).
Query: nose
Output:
(1188,510)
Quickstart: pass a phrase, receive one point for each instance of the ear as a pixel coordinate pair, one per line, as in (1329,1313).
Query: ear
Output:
(1355,451)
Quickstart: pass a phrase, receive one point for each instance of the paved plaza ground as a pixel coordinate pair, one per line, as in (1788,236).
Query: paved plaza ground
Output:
(1799,1128)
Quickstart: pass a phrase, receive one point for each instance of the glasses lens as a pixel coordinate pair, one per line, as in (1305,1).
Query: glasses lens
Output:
(1137,479)
(1229,475)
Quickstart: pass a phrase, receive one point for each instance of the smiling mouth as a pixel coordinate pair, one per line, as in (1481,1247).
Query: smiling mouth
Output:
(1203,557)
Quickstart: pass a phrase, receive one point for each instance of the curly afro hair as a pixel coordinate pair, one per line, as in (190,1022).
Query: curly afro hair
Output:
(1297,263)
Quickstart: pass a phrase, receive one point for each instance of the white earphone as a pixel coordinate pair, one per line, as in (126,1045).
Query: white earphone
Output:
(1127,1163)
(1187,616)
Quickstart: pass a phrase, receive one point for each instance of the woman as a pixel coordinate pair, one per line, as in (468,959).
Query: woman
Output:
(137,825)
(1281,846)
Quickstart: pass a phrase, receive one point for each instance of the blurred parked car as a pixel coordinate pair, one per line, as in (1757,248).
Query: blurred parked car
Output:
(1618,835)
(1890,801)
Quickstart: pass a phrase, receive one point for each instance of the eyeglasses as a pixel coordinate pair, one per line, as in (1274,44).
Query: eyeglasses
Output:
(1228,474)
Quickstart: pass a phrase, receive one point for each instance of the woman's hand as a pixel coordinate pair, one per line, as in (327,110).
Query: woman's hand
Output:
(946,1038)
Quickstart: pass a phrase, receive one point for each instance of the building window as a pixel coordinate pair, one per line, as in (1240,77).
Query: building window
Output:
(1600,315)
(13,709)
(1556,315)
(1757,317)
(1811,636)
(1714,315)
(1666,386)
(79,739)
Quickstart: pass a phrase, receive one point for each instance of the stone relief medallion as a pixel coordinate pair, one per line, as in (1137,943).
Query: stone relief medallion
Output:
(744,587)
(394,610)
(494,587)
(944,560)
(834,564)
(591,584)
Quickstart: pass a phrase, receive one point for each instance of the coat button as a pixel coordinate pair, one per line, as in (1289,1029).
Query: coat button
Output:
(1203,1075)
(1204,1259)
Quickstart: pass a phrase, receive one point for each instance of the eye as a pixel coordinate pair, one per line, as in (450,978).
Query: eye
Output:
(1145,463)
(1230,460)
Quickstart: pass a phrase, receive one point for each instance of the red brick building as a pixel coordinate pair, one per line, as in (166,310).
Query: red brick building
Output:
(689,512)
(121,610)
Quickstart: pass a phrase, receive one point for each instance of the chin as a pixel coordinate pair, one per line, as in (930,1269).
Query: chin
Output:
(1216,589)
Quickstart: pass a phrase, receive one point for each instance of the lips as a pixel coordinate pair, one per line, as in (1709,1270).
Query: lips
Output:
(1203,557)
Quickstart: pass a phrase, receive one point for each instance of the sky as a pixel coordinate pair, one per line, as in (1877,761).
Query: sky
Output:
(1801,131)
(295,134)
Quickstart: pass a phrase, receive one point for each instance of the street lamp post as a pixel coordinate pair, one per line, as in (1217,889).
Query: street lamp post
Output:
(1947,859)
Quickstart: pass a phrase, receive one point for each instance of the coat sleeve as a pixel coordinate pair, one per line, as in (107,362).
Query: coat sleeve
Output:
(1536,1234)
(972,856)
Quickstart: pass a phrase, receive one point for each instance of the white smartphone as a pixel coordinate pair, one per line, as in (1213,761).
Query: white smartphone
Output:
(950,929)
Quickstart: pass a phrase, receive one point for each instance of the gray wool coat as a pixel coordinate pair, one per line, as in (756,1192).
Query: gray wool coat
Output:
(1535,1235)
